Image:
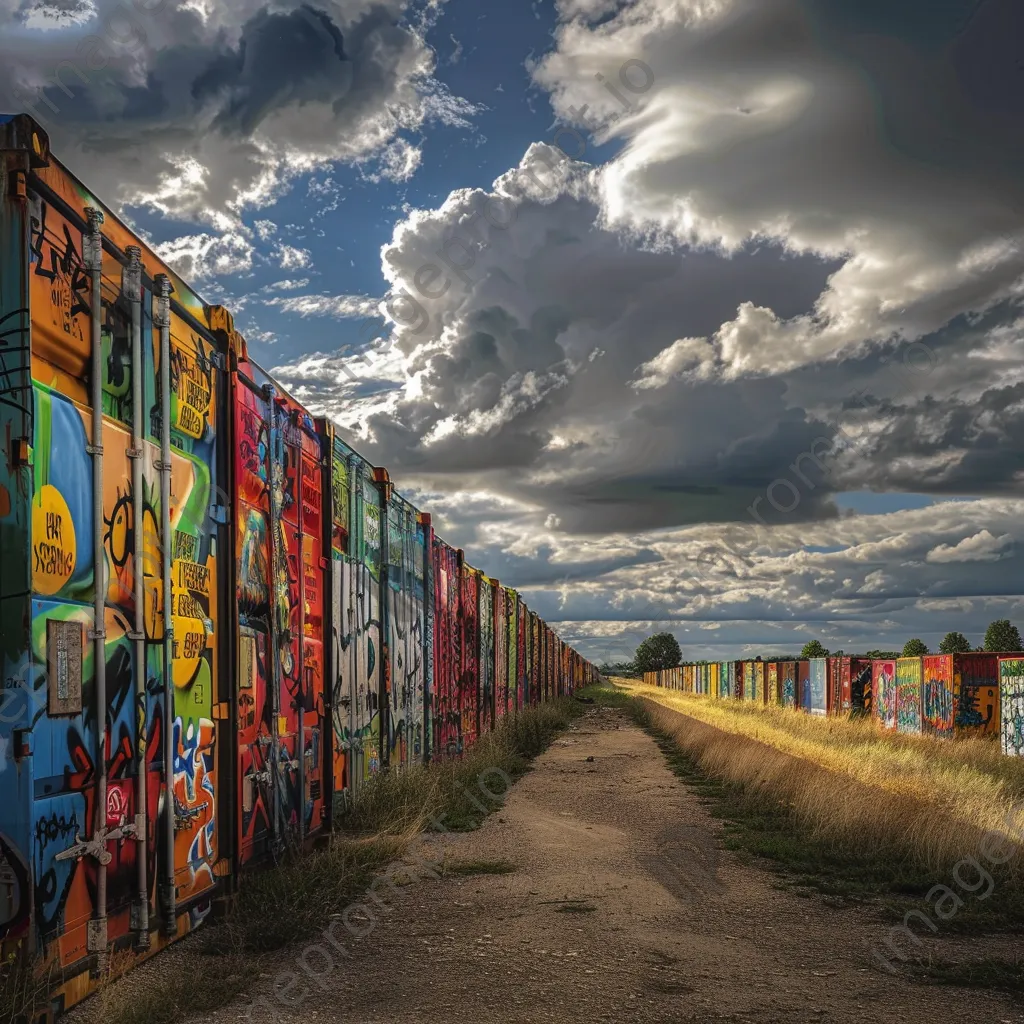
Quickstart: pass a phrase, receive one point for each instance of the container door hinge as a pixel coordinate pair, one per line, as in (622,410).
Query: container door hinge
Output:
(138,921)
(218,360)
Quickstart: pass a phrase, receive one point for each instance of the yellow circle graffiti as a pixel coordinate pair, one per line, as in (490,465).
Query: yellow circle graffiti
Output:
(54,551)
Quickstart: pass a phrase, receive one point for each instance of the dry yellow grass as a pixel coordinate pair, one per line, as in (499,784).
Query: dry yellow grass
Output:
(926,798)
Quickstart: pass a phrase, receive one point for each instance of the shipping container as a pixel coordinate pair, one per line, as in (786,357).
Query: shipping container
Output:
(838,685)
(510,603)
(788,684)
(485,619)
(1011,678)
(937,702)
(750,692)
(976,695)
(883,685)
(356,643)
(818,689)
(404,608)
(760,692)
(279,588)
(469,631)
(445,694)
(908,695)
(117,820)
(860,685)
(803,682)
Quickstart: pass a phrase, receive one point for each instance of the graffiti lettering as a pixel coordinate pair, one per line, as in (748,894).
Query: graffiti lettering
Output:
(188,607)
(185,547)
(52,560)
(193,576)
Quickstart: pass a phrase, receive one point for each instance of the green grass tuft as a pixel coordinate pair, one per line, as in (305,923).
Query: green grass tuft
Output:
(988,973)
(24,988)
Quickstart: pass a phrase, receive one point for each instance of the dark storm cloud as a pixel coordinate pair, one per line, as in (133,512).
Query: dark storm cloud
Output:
(249,93)
(282,58)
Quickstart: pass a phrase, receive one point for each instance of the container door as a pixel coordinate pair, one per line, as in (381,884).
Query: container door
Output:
(976,694)
(313,580)
(256,724)
(1011,677)
(908,696)
(254,744)
(937,696)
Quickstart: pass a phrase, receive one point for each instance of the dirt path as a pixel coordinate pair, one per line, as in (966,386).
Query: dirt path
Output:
(679,931)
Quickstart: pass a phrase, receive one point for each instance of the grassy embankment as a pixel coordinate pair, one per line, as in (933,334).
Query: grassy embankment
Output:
(296,900)
(837,807)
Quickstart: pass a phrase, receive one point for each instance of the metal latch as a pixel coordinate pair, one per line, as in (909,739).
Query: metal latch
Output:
(97,846)
(184,816)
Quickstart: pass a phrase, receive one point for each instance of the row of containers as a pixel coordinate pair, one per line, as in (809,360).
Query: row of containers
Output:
(218,620)
(944,695)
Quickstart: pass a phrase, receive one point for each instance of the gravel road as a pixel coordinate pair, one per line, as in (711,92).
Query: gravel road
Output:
(622,906)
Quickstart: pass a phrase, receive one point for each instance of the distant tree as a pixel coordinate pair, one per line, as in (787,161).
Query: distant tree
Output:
(1002,635)
(658,651)
(620,668)
(814,649)
(955,643)
(914,648)
(882,655)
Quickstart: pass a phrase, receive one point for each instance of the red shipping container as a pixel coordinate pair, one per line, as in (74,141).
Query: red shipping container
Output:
(976,694)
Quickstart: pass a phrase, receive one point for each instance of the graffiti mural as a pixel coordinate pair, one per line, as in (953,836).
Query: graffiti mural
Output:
(280,590)
(976,695)
(787,683)
(883,685)
(446,713)
(860,685)
(1011,679)
(908,695)
(937,696)
(404,676)
(818,695)
(523,654)
(803,684)
(501,691)
(485,627)
(356,621)
(513,674)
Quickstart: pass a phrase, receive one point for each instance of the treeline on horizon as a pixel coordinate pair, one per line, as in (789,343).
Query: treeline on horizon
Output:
(662,650)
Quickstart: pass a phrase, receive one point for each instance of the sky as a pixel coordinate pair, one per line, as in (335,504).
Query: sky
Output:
(688,315)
